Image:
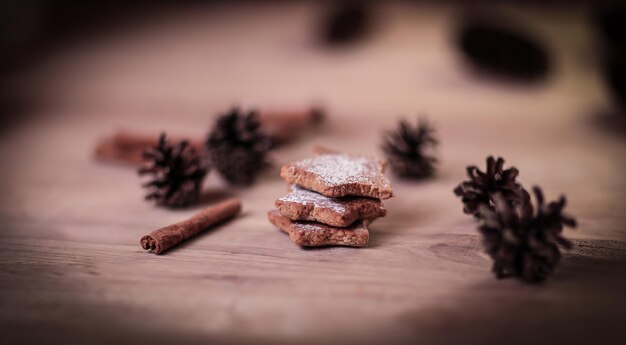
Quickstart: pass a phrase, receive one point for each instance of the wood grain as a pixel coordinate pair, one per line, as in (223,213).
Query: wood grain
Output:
(71,271)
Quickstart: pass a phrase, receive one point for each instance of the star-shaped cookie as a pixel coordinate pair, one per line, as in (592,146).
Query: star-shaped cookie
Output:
(335,174)
(303,204)
(311,234)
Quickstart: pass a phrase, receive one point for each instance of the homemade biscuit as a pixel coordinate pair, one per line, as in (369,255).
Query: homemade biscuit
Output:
(303,204)
(311,234)
(339,174)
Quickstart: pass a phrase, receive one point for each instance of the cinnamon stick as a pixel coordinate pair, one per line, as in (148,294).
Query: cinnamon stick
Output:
(165,238)
(283,126)
(128,147)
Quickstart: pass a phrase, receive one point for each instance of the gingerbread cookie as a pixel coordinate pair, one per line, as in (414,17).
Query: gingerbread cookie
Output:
(311,234)
(302,204)
(338,174)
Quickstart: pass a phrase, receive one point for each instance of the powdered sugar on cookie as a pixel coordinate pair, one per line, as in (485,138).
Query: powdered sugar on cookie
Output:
(340,169)
(340,174)
(306,197)
(302,204)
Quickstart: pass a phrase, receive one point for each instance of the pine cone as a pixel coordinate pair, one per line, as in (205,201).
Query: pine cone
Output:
(523,244)
(408,150)
(349,22)
(503,48)
(237,147)
(177,173)
(481,187)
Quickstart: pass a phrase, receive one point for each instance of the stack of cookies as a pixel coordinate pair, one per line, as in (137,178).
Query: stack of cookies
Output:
(332,199)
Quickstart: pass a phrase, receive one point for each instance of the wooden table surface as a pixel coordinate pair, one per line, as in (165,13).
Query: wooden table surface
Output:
(72,270)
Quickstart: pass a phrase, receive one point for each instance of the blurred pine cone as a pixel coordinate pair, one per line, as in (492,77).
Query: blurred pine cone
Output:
(237,147)
(409,150)
(348,22)
(177,173)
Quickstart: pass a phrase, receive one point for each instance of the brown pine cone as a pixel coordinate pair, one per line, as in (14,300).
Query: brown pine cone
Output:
(237,147)
(409,150)
(481,187)
(177,173)
(523,243)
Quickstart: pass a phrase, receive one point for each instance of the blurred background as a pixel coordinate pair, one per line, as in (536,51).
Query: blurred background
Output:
(170,50)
